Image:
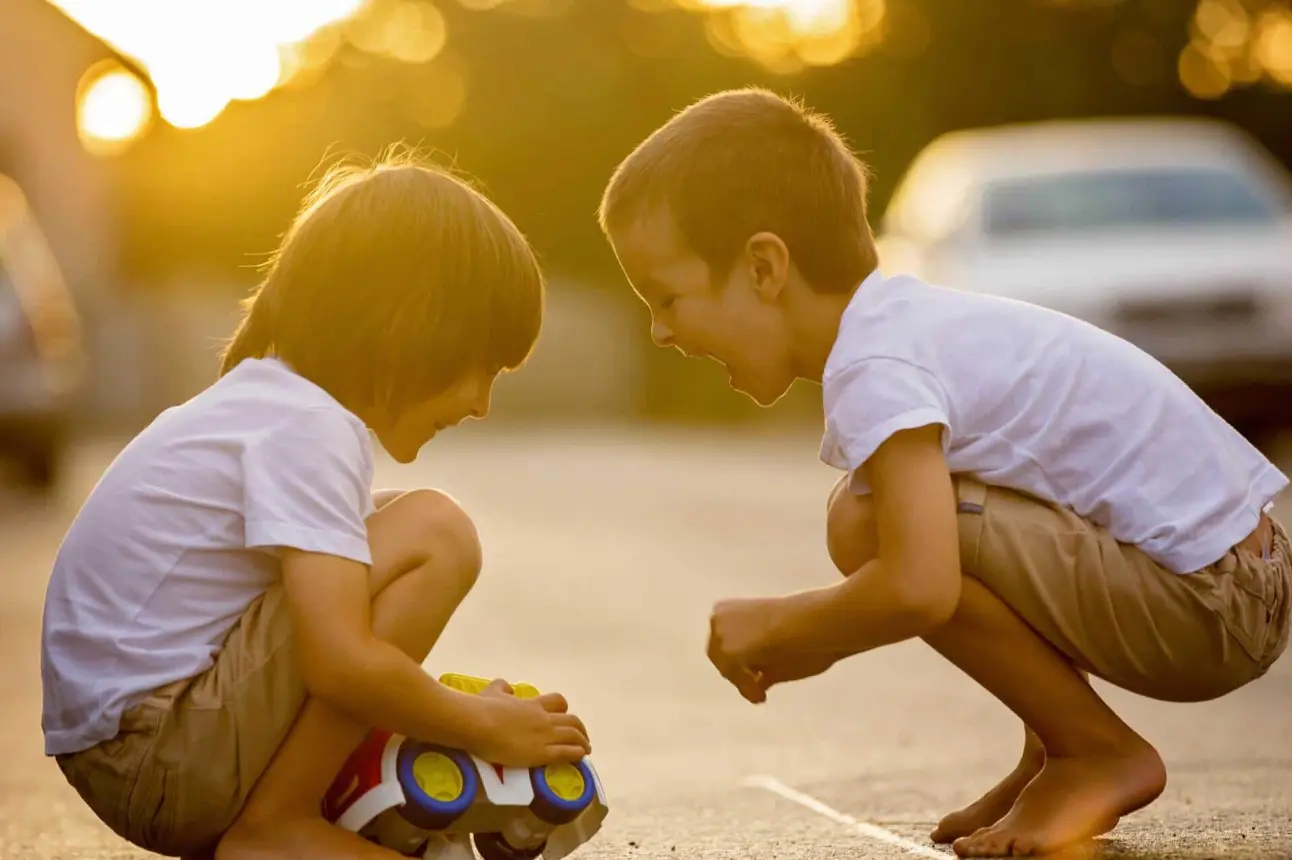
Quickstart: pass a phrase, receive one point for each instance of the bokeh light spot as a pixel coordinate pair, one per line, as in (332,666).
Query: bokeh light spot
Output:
(113,108)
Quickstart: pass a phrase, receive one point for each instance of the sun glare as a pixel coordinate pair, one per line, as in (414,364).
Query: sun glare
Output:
(786,35)
(202,55)
(113,108)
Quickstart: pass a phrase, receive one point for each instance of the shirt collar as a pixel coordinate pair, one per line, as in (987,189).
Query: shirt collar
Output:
(863,297)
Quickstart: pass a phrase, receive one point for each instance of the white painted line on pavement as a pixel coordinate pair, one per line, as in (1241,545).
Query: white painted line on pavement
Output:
(775,786)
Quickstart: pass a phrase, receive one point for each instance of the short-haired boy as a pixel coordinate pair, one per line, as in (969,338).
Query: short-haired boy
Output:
(1034,497)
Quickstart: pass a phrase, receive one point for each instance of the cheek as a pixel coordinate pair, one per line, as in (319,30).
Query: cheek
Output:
(736,323)
(761,342)
(416,426)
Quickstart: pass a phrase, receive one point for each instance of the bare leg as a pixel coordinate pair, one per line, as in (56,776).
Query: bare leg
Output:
(852,541)
(425,559)
(1090,768)
(1096,768)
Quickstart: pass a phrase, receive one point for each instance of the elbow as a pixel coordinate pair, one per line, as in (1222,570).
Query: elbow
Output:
(929,602)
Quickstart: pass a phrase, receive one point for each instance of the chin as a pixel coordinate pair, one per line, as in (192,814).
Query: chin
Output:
(763,394)
(401,454)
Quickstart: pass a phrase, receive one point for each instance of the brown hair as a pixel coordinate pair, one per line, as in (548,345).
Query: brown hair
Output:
(394,281)
(743,161)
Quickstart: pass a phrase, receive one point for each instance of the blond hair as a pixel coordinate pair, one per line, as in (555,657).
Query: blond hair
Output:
(393,282)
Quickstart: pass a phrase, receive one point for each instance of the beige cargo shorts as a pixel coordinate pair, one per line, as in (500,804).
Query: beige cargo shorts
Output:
(177,774)
(1118,614)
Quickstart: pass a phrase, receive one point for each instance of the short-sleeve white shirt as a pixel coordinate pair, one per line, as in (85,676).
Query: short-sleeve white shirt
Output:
(180,535)
(1038,401)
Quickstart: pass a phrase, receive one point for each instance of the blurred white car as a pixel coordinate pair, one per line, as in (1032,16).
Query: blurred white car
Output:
(41,356)
(1175,234)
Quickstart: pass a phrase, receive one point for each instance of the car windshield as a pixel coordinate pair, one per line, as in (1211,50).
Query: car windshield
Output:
(1121,198)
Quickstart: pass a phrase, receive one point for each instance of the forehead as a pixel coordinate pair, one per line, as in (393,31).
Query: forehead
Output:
(652,251)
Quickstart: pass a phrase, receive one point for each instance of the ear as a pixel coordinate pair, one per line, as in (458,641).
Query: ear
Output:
(769,262)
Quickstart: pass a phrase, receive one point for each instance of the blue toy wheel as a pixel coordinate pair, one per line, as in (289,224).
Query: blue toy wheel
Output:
(562,791)
(439,783)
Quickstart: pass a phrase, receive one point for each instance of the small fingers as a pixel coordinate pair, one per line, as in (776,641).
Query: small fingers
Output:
(565,753)
(554,703)
(570,736)
(570,720)
(750,685)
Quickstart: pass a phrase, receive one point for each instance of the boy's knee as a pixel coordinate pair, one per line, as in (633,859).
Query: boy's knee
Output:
(850,529)
(443,533)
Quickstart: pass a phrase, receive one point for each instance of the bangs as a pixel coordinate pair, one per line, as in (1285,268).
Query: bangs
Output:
(398,282)
(515,310)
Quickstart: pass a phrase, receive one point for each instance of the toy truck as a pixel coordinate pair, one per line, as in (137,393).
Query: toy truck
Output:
(435,802)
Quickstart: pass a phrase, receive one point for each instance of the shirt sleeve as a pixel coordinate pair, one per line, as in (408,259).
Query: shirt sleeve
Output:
(870,400)
(307,484)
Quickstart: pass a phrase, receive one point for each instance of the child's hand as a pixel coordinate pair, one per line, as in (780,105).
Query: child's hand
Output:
(747,646)
(741,641)
(529,732)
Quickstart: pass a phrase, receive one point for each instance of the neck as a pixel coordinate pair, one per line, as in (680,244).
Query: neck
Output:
(816,318)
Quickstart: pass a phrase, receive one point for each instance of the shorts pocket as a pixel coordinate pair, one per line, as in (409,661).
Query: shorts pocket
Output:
(107,775)
(150,815)
(1235,588)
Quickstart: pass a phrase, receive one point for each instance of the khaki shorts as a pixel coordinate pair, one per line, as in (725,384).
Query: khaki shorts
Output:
(186,758)
(1118,614)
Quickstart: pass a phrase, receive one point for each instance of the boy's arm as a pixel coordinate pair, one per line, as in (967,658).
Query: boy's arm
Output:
(345,665)
(306,491)
(911,589)
(885,420)
(913,586)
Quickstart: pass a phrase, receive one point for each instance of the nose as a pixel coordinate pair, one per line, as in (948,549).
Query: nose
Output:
(660,334)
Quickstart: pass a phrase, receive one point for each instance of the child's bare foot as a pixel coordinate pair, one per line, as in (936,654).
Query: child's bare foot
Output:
(298,837)
(1073,798)
(993,805)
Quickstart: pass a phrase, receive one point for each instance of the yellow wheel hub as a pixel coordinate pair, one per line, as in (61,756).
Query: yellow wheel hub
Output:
(565,780)
(438,776)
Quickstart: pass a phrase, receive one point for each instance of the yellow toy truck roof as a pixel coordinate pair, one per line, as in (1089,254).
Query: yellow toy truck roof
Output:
(474,686)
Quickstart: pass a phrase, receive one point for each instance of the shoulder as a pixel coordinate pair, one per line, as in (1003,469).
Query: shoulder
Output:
(325,435)
(267,403)
(887,318)
(318,422)
(306,477)
(889,330)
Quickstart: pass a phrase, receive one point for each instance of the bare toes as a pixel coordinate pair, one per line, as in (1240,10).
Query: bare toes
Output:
(949,829)
(1023,846)
(986,842)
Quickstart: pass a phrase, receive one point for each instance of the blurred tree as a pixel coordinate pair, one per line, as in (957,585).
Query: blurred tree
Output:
(541,98)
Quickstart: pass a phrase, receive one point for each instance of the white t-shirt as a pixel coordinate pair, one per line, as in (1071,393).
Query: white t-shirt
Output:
(1038,401)
(180,535)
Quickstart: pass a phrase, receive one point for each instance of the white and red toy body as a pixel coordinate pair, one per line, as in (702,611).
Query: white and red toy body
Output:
(430,801)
